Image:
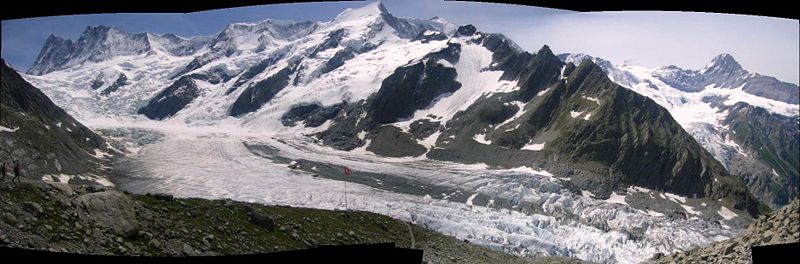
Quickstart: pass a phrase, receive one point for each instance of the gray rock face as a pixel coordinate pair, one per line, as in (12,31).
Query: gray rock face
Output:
(312,115)
(98,81)
(343,132)
(258,94)
(421,129)
(112,210)
(256,69)
(465,31)
(428,36)
(172,99)
(121,81)
(411,88)
(48,140)
(390,141)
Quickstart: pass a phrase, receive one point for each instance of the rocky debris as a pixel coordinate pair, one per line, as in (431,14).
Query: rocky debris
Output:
(113,210)
(63,188)
(9,218)
(163,197)
(32,207)
(779,227)
(109,222)
(260,218)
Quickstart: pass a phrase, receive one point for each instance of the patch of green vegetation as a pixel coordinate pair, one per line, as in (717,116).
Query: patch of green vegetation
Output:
(763,209)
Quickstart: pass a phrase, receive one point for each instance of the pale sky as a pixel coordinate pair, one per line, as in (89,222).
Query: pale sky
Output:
(770,46)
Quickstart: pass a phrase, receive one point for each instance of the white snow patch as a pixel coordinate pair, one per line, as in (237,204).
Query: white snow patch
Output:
(616,198)
(100,154)
(469,200)
(63,178)
(517,115)
(675,198)
(726,213)
(534,146)
(543,92)
(654,213)
(638,189)
(6,129)
(430,141)
(593,99)
(530,170)
(481,138)
(575,114)
(689,209)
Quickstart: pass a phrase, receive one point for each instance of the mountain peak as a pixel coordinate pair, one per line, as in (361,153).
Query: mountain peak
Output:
(545,50)
(466,30)
(373,9)
(723,63)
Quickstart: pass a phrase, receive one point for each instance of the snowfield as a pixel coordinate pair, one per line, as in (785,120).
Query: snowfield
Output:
(485,208)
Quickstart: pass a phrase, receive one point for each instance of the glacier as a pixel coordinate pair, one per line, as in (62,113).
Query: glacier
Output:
(215,162)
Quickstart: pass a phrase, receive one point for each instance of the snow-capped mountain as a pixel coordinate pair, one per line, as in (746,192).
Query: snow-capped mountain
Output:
(395,87)
(101,43)
(407,96)
(747,123)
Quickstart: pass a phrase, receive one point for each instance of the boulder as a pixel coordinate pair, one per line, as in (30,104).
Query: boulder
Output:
(112,210)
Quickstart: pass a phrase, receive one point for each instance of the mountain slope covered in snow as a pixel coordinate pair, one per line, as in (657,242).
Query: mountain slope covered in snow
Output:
(731,113)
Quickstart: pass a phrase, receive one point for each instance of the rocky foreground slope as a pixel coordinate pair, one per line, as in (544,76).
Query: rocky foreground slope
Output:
(94,220)
(780,227)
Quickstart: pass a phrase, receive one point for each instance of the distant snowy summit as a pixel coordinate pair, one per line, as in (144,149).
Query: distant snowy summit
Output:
(722,72)
(748,121)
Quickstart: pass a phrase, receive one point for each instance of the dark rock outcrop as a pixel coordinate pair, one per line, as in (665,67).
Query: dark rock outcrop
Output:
(411,88)
(312,115)
(390,141)
(259,93)
(44,138)
(121,81)
(172,99)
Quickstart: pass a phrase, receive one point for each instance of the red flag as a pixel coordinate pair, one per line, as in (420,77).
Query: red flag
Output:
(346,171)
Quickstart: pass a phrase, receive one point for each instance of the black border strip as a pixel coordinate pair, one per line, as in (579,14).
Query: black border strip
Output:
(41,8)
